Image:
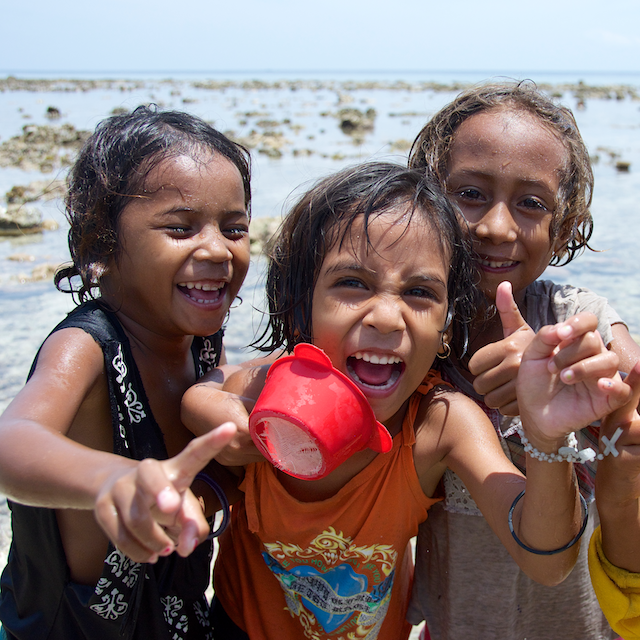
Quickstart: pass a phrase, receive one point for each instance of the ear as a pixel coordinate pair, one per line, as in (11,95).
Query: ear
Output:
(444,350)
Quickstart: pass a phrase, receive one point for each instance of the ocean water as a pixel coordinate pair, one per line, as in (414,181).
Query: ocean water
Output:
(299,111)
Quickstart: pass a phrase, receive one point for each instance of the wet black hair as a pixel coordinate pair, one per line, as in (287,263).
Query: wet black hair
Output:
(324,216)
(113,166)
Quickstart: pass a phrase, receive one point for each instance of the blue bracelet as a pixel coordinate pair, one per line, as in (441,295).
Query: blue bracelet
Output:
(554,551)
(224,503)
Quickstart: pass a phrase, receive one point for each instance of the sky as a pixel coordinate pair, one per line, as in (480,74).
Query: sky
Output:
(337,35)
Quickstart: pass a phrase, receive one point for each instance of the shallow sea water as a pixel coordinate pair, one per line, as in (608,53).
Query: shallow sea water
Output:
(315,147)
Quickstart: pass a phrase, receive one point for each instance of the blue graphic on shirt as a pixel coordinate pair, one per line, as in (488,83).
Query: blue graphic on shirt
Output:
(332,596)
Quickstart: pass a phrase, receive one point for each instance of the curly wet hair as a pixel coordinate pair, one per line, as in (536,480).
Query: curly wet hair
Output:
(113,166)
(324,216)
(572,224)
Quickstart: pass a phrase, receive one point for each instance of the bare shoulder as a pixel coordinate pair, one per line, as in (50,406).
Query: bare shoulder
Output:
(444,417)
(447,410)
(69,358)
(68,391)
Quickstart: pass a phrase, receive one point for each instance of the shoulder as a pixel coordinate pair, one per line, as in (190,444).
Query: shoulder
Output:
(548,303)
(566,299)
(70,351)
(451,431)
(448,414)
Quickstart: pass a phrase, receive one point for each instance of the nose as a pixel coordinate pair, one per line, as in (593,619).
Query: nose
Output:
(496,225)
(212,245)
(384,314)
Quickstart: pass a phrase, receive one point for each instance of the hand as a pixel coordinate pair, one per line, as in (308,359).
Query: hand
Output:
(496,365)
(148,510)
(567,379)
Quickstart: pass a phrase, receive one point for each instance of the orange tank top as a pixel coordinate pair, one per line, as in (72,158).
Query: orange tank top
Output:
(328,569)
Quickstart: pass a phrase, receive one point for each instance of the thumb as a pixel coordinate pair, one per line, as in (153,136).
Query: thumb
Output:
(182,469)
(510,315)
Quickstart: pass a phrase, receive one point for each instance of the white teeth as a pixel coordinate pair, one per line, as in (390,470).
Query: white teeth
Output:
(496,265)
(377,359)
(200,286)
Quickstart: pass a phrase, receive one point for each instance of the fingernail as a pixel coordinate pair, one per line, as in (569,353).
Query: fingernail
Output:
(195,544)
(167,551)
(552,367)
(565,331)
(567,375)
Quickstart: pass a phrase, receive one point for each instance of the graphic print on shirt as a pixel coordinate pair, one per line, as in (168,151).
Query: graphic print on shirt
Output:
(334,587)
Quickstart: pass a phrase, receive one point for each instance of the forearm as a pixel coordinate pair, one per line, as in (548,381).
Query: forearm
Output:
(619,510)
(550,512)
(548,517)
(620,536)
(207,405)
(39,467)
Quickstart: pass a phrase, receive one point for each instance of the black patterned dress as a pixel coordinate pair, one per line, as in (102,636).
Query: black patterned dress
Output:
(162,601)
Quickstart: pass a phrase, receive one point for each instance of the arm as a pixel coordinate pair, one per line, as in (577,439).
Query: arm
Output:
(618,484)
(563,385)
(55,441)
(550,501)
(614,551)
(227,393)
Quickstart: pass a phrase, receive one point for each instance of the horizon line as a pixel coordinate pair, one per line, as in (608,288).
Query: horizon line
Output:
(340,71)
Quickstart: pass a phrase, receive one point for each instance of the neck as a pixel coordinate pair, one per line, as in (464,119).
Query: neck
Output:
(151,344)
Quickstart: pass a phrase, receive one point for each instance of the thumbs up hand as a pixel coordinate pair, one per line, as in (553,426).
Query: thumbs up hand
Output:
(496,365)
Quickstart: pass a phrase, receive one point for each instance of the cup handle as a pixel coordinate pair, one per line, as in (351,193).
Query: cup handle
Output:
(381,440)
(306,351)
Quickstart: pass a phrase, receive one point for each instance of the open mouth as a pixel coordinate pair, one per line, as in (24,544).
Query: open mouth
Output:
(203,293)
(374,371)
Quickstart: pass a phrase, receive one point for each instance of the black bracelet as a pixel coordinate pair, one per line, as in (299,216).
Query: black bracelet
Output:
(224,503)
(554,551)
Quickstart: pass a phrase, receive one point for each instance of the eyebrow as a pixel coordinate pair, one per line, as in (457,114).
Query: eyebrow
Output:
(469,173)
(190,209)
(358,267)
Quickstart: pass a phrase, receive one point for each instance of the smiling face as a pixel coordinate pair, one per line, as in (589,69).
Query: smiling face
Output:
(379,306)
(504,172)
(184,248)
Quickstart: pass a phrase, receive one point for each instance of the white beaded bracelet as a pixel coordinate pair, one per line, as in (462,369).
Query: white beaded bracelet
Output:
(570,452)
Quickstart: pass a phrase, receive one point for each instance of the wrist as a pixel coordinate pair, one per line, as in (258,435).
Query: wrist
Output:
(557,451)
(540,441)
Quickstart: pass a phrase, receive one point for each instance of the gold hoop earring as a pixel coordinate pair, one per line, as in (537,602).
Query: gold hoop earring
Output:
(446,350)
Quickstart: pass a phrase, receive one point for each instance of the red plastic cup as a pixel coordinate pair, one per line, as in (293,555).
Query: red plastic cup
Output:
(310,417)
